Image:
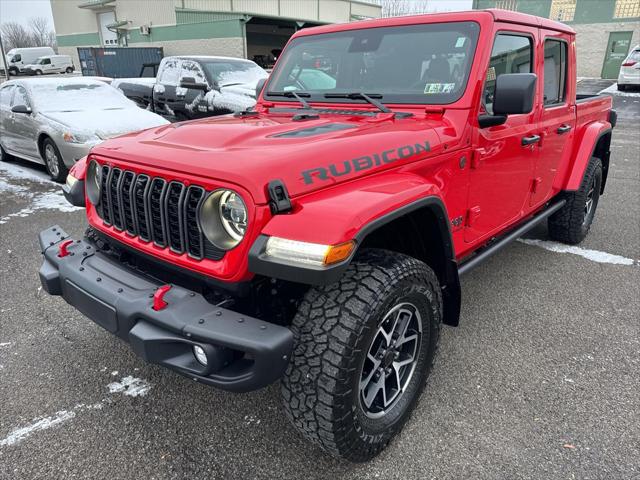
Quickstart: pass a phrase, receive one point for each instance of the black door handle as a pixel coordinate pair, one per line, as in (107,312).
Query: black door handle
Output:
(563,129)
(530,140)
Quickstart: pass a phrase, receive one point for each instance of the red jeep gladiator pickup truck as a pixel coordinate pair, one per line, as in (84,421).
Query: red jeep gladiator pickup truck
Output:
(319,238)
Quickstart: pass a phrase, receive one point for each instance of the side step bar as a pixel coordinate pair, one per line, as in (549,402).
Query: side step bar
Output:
(488,251)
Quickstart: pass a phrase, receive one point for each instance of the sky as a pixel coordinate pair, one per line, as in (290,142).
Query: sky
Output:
(22,10)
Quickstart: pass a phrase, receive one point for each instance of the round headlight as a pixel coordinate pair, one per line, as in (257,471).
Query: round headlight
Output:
(93,184)
(223,218)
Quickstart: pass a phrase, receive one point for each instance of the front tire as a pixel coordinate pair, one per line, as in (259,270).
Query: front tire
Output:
(364,349)
(38,72)
(69,70)
(53,161)
(572,222)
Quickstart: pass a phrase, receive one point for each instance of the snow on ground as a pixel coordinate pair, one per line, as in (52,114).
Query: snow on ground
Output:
(51,199)
(593,255)
(129,386)
(613,89)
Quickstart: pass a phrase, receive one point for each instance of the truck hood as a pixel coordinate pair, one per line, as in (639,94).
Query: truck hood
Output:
(306,155)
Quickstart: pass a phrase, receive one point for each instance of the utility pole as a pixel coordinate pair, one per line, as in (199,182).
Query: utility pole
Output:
(4,60)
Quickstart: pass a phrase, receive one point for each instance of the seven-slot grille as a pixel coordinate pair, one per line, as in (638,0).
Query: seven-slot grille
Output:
(165,213)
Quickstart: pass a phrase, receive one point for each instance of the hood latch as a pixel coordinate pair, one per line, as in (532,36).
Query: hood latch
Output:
(279,200)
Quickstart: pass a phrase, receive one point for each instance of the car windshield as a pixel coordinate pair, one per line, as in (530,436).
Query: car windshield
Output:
(427,64)
(54,96)
(225,72)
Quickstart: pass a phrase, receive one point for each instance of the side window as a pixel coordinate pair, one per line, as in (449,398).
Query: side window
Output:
(555,71)
(510,54)
(193,70)
(5,96)
(20,97)
(47,61)
(170,72)
(17,58)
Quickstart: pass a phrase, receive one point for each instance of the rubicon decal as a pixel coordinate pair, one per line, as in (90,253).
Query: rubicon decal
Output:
(364,163)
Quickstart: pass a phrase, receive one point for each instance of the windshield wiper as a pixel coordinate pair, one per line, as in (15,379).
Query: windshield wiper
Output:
(296,95)
(369,98)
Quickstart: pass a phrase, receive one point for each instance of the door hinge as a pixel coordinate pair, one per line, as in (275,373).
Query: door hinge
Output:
(472,215)
(535,183)
(279,200)
(476,158)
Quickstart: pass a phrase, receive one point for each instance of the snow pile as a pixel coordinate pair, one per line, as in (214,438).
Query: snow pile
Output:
(613,89)
(131,386)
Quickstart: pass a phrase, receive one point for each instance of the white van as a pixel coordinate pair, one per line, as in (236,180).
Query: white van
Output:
(18,58)
(50,64)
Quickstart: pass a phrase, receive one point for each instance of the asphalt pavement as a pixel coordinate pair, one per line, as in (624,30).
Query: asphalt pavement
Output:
(541,380)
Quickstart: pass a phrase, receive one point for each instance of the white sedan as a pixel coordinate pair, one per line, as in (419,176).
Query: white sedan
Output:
(630,70)
(56,121)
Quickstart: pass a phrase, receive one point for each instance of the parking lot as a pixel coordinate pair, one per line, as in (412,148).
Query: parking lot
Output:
(539,381)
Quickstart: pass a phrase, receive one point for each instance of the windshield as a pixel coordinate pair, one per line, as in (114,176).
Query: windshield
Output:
(52,96)
(228,71)
(426,64)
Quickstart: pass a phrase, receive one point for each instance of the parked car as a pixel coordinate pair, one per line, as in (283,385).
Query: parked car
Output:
(19,58)
(319,238)
(56,121)
(629,75)
(50,64)
(190,87)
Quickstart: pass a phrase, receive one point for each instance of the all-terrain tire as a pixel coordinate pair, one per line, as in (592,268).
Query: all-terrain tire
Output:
(572,222)
(334,330)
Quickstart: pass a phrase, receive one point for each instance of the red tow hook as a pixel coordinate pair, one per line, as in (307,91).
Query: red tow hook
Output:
(158,297)
(63,250)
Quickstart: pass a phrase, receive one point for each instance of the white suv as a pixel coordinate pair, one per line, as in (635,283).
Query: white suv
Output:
(630,70)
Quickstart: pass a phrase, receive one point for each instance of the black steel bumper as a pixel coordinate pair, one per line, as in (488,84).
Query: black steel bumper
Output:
(243,353)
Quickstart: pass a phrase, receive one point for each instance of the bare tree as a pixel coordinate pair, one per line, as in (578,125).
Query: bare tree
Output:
(15,35)
(41,33)
(396,8)
(38,34)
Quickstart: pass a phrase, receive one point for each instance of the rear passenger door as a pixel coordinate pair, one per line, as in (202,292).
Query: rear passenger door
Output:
(502,166)
(558,114)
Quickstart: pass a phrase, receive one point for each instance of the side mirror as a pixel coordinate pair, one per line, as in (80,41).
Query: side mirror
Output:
(260,86)
(515,93)
(21,109)
(190,82)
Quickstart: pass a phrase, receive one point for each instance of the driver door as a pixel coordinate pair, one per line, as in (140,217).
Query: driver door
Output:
(502,165)
(24,125)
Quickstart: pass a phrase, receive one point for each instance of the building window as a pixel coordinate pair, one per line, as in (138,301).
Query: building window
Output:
(507,4)
(563,10)
(627,9)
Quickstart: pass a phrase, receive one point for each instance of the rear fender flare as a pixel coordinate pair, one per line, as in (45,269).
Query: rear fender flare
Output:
(590,145)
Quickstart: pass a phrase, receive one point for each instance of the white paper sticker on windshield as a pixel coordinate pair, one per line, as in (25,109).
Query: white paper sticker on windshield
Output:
(460,42)
(431,88)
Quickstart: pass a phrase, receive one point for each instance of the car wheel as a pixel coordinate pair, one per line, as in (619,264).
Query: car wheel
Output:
(69,70)
(572,222)
(364,347)
(53,161)
(13,71)
(38,72)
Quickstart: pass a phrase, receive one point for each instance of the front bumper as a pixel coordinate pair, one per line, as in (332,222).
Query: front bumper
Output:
(72,152)
(243,353)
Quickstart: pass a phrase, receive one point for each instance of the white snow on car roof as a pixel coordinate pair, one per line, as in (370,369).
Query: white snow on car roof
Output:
(213,57)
